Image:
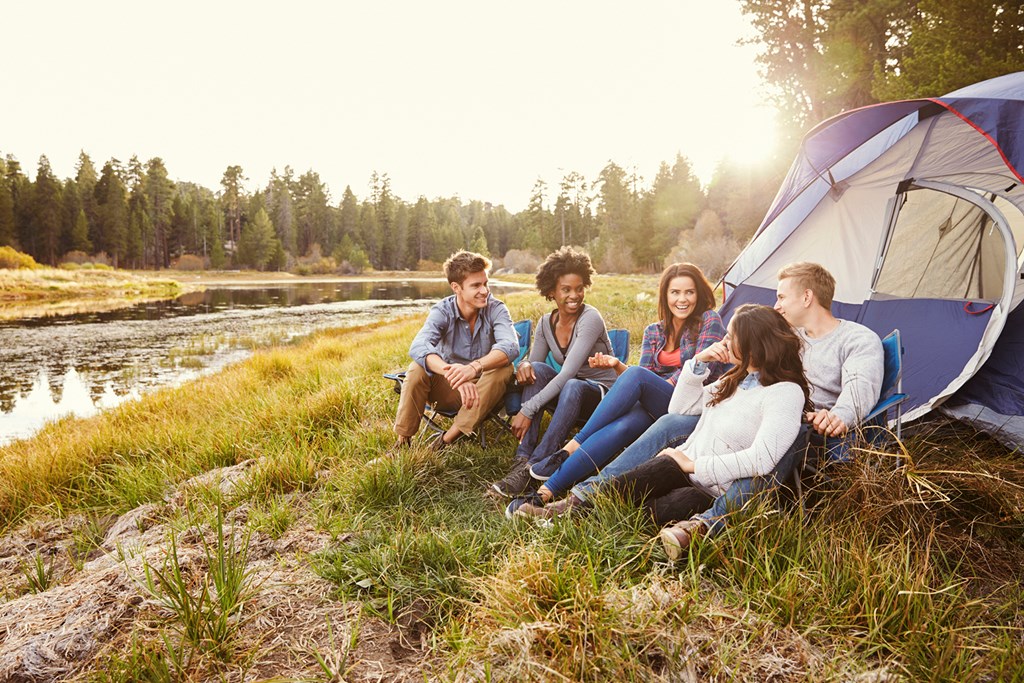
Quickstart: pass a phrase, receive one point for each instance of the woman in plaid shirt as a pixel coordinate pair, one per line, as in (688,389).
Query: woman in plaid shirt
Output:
(641,394)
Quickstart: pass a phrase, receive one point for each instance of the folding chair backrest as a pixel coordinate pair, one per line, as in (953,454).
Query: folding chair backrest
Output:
(524,328)
(892,349)
(620,344)
(620,348)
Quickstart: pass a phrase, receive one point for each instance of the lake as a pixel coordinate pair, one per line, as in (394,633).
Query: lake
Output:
(83,363)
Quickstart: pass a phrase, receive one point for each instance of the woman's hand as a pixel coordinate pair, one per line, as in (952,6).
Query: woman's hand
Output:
(684,461)
(520,423)
(719,351)
(603,360)
(525,374)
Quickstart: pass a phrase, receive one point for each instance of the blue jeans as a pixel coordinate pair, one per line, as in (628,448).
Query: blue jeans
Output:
(742,490)
(635,401)
(669,431)
(577,399)
(833,449)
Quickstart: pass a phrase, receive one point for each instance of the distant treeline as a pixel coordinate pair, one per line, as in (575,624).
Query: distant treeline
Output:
(134,216)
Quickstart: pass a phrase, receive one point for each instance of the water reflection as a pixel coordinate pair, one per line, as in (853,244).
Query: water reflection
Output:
(81,363)
(44,403)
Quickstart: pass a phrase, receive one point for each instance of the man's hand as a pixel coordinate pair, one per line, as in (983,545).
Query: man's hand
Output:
(458,374)
(525,374)
(826,423)
(520,423)
(467,390)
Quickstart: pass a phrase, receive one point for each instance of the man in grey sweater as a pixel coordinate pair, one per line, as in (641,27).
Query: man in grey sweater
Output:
(843,362)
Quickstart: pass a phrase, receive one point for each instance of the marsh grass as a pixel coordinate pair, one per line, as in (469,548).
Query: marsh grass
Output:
(897,571)
(46,291)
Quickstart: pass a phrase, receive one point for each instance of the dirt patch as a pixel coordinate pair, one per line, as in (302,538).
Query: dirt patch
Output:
(292,627)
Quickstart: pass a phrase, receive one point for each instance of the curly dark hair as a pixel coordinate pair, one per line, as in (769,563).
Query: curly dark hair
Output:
(761,337)
(565,261)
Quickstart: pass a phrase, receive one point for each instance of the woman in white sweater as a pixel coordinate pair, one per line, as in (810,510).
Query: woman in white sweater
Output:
(748,418)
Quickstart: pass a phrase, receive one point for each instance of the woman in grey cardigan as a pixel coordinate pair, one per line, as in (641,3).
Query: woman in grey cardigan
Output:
(557,376)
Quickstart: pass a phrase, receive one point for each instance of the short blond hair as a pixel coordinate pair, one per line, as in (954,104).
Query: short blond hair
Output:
(462,264)
(814,277)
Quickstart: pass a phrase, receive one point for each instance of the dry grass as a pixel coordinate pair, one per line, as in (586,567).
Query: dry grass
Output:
(53,291)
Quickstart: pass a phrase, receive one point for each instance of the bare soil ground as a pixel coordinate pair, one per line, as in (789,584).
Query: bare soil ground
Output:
(85,614)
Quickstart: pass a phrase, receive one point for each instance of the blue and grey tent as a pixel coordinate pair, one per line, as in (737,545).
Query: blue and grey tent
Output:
(917,208)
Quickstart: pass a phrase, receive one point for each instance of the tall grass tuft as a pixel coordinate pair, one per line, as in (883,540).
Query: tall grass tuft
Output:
(206,609)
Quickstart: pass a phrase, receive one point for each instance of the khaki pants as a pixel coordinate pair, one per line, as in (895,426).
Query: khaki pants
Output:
(419,388)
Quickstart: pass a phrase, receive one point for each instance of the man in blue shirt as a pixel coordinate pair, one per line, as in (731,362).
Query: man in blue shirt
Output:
(462,356)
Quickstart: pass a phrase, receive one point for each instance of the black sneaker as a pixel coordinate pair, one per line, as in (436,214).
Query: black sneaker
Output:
(543,470)
(517,482)
(533,499)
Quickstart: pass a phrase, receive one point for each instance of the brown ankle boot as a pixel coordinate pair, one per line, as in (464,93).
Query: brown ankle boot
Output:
(677,538)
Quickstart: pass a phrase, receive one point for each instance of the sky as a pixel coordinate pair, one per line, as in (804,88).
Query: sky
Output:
(473,99)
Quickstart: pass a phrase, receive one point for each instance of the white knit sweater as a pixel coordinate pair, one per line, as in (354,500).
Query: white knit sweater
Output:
(743,436)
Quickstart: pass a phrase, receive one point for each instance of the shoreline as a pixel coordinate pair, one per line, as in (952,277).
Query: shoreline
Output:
(31,294)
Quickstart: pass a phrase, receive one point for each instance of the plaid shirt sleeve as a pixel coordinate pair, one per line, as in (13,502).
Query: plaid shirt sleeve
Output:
(711,330)
(652,333)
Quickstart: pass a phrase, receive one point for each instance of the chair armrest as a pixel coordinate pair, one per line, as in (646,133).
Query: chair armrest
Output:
(398,378)
(884,406)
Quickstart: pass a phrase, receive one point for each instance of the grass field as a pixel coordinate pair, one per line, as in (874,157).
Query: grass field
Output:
(231,529)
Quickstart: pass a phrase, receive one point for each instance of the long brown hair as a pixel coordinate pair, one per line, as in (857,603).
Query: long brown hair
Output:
(761,337)
(705,299)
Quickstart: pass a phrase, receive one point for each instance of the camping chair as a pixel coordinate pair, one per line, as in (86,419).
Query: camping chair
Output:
(874,428)
(432,427)
(619,338)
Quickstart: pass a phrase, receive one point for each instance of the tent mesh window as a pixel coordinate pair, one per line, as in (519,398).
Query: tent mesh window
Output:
(943,247)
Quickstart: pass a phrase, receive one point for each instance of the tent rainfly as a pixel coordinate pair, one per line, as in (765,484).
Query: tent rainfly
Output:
(917,208)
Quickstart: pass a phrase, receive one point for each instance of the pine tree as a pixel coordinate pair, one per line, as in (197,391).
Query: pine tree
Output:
(71,206)
(46,214)
(422,226)
(159,203)
(349,215)
(111,232)
(618,216)
(80,234)
(20,189)
(86,179)
(140,227)
(538,219)
(257,245)
(7,225)
(281,208)
(231,201)
(368,232)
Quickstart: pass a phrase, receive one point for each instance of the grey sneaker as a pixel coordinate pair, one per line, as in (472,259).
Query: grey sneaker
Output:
(531,499)
(542,471)
(551,510)
(517,482)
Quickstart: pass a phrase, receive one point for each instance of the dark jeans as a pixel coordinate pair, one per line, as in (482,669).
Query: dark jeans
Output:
(576,400)
(664,490)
